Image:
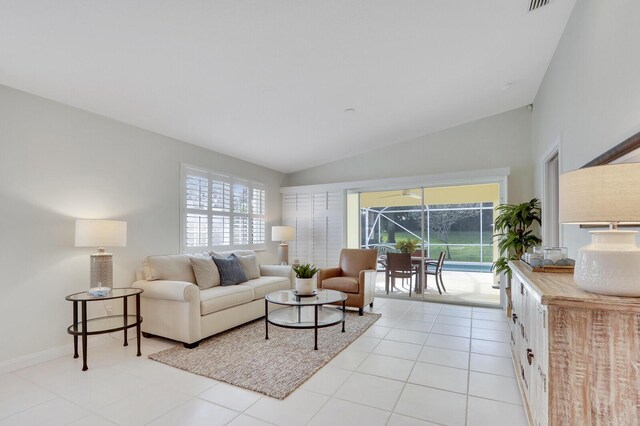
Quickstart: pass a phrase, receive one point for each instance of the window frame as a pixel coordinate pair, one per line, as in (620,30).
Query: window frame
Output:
(250,214)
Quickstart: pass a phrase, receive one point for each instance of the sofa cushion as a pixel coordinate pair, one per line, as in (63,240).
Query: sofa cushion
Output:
(249,266)
(225,254)
(172,267)
(215,299)
(345,284)
(230,270)
(206,272)
(264,285)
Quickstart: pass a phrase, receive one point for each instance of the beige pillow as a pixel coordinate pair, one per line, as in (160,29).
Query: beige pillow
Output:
(206,272)
(173,267)
(249,266)
(225,254)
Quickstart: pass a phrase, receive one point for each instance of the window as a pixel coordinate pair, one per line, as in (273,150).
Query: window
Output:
(219,210)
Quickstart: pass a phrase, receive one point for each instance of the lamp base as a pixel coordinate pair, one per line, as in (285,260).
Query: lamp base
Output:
(610,264)
(283,253)
(101,270)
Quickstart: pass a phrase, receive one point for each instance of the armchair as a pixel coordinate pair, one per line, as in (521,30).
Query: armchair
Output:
(355,276)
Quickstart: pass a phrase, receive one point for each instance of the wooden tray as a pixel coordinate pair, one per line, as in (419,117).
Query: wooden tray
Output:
(553,268)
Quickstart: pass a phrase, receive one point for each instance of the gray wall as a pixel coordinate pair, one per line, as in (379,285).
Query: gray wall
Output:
(58,163)
(589,99)
(502,140)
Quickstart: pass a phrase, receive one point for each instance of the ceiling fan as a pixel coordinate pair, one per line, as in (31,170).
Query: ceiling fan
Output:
(405,193)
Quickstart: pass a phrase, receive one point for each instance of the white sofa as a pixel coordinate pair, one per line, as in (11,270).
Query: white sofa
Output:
(173,306)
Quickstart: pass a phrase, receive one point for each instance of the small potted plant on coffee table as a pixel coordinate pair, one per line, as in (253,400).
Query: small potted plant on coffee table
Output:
(305,278)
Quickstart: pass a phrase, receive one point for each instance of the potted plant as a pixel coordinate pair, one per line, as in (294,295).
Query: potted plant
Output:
(407,246)
(304,278)
(514,232)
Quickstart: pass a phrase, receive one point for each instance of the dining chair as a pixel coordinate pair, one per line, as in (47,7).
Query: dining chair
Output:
(435,271)
(399,266)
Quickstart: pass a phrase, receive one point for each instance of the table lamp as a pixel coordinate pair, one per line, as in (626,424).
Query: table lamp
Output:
(101,234)
(605,195)
(282,234)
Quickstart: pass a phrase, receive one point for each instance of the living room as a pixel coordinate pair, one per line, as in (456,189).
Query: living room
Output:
(103,105)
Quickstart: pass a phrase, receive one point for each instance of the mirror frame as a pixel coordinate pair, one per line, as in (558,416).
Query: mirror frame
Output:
(623,148)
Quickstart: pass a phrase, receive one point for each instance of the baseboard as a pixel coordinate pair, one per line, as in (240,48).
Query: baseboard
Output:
(47,355)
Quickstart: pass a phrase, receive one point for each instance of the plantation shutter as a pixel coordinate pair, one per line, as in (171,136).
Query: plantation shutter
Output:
(318,218)
(296,213)
(220,210)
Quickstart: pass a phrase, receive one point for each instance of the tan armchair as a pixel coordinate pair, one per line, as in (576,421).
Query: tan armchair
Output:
(355,276)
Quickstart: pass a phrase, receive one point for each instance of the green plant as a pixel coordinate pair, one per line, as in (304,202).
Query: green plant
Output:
(407,246)
(513,232)
(305,271)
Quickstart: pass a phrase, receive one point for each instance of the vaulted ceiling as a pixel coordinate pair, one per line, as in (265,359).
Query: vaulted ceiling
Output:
(284,84)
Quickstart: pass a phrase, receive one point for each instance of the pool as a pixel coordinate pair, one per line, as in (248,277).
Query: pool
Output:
(466,267)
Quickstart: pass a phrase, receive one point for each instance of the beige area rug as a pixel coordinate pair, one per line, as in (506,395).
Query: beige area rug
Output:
(274,367)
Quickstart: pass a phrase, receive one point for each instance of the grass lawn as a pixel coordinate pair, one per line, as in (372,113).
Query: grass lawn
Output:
(458,253)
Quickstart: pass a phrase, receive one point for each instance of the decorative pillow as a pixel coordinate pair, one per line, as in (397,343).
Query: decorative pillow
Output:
(250,266)
(225,254)
(173,267)
(206,272)
(230,270)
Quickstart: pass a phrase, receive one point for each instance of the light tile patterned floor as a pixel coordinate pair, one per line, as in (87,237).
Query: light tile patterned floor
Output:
(462,287)
(421,364)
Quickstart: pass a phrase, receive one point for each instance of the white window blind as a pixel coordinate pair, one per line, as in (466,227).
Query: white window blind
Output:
(318,218)
(219,210)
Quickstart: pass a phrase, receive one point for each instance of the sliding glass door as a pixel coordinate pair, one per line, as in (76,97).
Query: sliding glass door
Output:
(455,220)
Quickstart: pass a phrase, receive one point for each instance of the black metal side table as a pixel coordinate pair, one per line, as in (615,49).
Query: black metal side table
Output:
(107,324)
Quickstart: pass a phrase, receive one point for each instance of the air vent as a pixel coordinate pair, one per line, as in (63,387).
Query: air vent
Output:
(537,4)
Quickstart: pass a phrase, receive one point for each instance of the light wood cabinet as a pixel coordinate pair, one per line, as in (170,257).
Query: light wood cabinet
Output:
(576,354)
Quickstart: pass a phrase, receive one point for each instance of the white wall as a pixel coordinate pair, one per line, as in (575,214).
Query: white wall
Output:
(589,99)
(502,140)
(59,163)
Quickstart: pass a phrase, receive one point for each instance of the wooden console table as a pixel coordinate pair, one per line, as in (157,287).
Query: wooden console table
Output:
(576,354)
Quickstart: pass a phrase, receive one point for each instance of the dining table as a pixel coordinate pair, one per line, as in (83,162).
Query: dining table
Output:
(415,260)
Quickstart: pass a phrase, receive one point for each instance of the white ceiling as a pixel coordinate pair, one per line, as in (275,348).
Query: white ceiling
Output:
(269,81)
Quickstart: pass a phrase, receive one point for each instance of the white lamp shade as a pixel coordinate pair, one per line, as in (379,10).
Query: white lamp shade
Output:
(101,233)
(601,194)
(283,233)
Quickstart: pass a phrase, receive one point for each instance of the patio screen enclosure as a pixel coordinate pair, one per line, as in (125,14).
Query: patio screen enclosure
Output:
(457,220)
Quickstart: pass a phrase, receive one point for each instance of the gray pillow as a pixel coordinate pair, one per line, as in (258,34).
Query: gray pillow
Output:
(206,272)
(230,270)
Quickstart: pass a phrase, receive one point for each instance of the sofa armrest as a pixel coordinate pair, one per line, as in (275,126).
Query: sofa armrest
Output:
(285,271)
(181,291)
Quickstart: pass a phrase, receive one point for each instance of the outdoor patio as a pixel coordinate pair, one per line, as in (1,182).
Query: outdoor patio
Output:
(462,288)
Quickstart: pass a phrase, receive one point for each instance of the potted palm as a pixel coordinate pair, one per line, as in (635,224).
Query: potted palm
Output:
(407,246)
(514,231)
(305,278)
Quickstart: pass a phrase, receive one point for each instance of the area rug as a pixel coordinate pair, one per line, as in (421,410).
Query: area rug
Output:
(274,367)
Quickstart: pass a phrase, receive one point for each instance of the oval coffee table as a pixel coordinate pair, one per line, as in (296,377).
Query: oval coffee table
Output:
(305,312)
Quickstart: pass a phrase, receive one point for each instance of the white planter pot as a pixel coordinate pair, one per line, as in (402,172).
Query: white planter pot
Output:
(304,286)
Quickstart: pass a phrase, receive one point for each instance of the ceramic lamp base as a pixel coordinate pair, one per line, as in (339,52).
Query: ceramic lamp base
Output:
(610,264)
(283,254)
(101,270)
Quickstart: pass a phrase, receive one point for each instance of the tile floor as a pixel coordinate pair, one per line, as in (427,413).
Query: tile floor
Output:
(462,287)
(421,364)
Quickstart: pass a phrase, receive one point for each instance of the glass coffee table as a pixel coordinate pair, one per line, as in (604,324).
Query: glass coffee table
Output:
(305,312)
